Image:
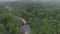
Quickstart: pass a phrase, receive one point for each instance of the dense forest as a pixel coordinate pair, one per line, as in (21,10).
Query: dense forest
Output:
(44,17)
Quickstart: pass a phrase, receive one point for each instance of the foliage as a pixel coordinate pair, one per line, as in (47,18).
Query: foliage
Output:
(43,18)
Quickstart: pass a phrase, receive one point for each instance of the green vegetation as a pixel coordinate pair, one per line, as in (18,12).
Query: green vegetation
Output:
(43,18)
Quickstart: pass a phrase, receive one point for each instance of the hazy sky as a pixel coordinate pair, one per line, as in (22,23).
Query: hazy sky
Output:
(33,0)
(7,0)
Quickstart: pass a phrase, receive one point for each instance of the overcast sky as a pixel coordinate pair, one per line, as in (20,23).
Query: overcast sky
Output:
(33,0)
(7,0)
